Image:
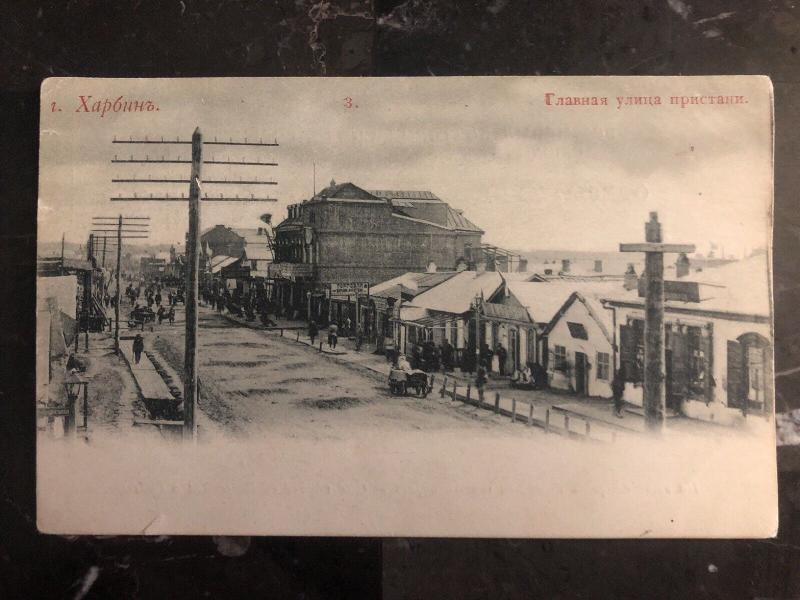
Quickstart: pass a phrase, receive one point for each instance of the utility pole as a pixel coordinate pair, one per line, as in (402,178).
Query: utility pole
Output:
(192,285)
(190,395)
(116,302)
(62,250)
(117,229)
(654,396)
(478,302)
(103,264)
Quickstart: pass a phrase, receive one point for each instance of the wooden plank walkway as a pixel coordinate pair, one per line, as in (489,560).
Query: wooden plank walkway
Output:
(149,382)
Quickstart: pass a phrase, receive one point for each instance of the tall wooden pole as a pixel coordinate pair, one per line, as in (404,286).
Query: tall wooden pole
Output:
(116,302)
(103,264)
(190,390)
(654,355)
(654,395)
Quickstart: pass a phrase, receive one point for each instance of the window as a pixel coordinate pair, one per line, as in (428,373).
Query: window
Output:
(577,331)
(560,358)
(603,366)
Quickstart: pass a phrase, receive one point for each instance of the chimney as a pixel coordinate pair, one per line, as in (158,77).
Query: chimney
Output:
(598,266)
(631,280)
(682,265)
(565,265)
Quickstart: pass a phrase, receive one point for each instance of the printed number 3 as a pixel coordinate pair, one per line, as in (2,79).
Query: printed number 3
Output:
(348,102)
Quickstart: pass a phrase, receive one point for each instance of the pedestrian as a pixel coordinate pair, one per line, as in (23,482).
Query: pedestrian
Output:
(447,355)
(347,324)
(158,298)
(312,331)
(502,354)
(138,347)
(359,337)
(480,380)
(617,390)
(171,315)
(333,335)
(160,313)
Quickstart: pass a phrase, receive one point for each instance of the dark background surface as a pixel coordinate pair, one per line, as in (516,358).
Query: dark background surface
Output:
(148,38)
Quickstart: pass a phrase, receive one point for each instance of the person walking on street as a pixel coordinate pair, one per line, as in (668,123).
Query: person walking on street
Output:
(359,337)
(333,335)
(313,330)
(138,348)
(617,390)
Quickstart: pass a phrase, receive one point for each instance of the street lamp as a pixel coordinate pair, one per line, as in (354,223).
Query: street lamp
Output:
(72,385)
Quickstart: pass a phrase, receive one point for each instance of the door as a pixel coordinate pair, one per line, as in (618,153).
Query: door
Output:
(580,373)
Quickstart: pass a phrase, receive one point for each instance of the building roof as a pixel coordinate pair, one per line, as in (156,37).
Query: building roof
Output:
(455,295)
(345,191)
(244,232)
(594,307)
(410,283)
(543,300)
(220,261)
(256,248)
(414,196)
(506,311)
(740,287)
(457,221)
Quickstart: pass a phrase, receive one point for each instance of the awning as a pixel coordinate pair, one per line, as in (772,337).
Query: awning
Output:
(432,322)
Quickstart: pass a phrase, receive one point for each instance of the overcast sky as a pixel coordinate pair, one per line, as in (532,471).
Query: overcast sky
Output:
(532,176)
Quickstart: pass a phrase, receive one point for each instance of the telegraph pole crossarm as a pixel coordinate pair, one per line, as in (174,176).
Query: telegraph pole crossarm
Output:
(654,395)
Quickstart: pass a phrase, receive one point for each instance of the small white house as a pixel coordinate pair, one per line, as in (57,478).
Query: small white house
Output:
(580,347)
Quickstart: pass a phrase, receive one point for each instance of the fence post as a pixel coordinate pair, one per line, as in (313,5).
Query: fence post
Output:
(566,422)
(547,421)
(444,387)
(497,403)
(298,336)
(588,428)
(320,345)
(530,414)
(513,409)
(454,391)
(469,393)
(281,331)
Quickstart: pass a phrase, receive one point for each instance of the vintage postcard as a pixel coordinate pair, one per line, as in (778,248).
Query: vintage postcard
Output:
(467,306)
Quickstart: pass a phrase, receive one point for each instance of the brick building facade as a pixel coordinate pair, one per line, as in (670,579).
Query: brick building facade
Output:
(346,234)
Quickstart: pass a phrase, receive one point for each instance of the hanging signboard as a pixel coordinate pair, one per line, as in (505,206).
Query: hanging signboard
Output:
(342,290)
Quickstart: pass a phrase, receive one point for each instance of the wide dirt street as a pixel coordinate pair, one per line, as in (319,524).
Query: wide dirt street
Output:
(254,381)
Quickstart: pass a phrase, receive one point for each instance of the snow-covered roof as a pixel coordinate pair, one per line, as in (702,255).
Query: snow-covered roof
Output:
(456,294)
(220,261)
(740,287)
(414,282)
(544,299)
(256,248)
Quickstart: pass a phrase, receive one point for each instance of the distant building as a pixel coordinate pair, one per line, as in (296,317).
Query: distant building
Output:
(152,267)
(347,235)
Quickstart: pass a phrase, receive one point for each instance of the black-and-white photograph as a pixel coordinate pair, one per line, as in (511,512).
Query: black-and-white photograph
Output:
(467,306)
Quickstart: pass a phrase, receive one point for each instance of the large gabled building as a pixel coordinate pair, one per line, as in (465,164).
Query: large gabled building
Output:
(346,234)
